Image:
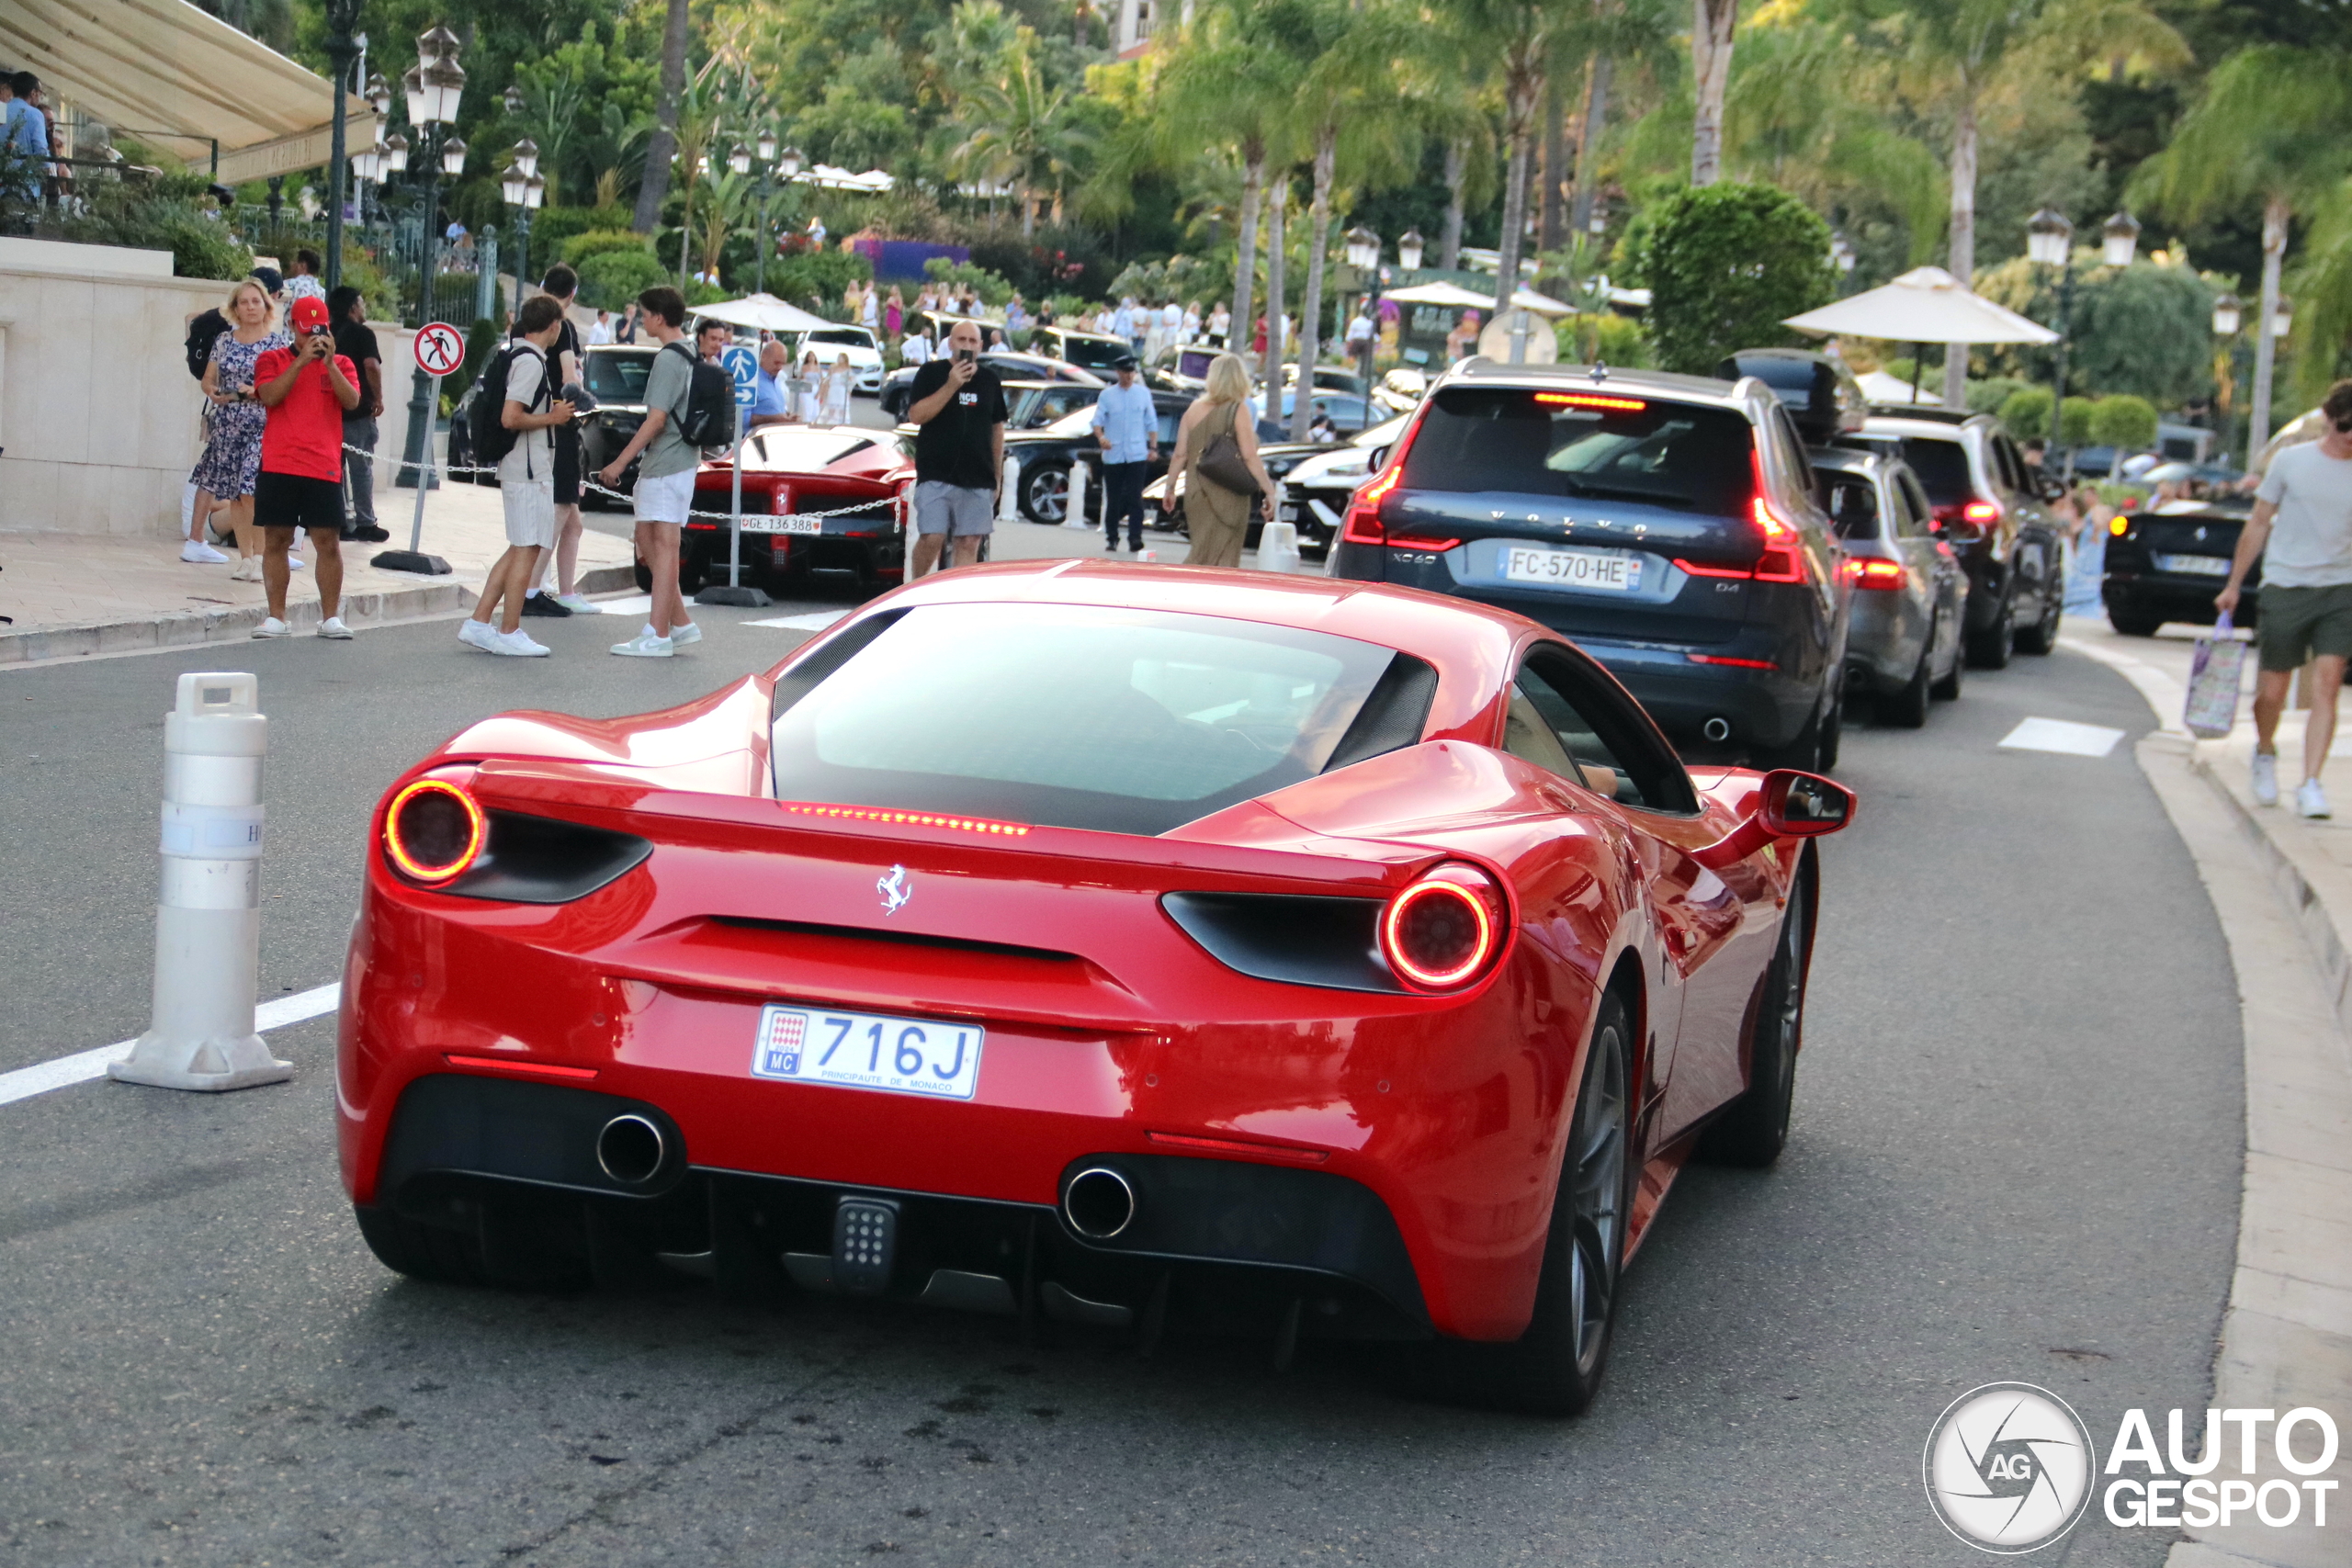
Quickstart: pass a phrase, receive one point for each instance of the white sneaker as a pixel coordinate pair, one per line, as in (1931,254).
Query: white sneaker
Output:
(475,634)
(2266,778)
(197,553)
(248,569)
(334,630)
(681,636)
(294,563)
(575,602)
(2310,800)
(644,645)
(273,627)
(517,644)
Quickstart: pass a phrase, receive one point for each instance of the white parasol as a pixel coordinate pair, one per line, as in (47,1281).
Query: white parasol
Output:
(1925,305)
(764,311)
(1454,296)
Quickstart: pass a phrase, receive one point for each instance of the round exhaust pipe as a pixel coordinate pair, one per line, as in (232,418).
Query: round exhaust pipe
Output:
(1716,729)
(631,1148)
(1099,1203)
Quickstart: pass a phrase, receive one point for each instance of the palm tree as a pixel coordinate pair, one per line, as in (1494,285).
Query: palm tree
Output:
(1022,132)
(1521,36)
(1223,84)
(1711,22)
(654,189)
(2270,129)
(1958,49)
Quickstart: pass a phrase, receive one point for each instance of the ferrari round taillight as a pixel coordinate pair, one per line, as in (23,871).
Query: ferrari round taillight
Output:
(433,831)
(1444,932)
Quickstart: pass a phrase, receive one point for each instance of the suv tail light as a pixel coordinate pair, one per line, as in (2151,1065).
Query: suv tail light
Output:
(1867,572)
(1446,930)
(1362,524)
(1977,514)
(1780,555)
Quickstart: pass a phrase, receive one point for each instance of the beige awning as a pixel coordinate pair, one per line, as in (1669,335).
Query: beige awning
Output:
(167,73)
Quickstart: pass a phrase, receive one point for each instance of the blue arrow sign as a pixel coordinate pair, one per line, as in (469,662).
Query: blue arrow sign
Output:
(743,369)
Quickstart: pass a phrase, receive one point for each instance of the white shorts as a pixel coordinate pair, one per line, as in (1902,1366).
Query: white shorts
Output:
(665,498)
(530,511)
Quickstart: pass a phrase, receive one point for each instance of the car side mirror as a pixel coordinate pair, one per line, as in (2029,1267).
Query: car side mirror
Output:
(1791,805)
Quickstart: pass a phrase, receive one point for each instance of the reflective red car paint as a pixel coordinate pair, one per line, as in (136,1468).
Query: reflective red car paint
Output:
(1106,1023)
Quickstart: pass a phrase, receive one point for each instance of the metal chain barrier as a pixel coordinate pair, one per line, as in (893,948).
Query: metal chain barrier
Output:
(586,484)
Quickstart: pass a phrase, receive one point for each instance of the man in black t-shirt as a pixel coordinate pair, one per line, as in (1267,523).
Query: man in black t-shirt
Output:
(959,450)
(356,341)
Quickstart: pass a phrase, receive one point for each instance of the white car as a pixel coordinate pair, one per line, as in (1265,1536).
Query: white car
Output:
(865,354)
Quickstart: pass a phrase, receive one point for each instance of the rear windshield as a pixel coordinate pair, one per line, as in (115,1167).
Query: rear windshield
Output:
(620,378)
(1584,444)
(855,338)
(1942,467)
(1127,721)
(1092,353)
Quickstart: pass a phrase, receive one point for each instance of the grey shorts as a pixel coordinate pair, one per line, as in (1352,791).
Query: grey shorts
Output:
(952,510)
(2298,624)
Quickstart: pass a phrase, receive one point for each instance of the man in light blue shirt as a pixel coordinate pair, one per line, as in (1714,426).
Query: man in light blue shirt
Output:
(26,138)
(771,404)
(1126,425)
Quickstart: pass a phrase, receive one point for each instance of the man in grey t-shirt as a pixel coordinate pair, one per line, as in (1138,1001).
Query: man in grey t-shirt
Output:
(665,480)
(2302,513)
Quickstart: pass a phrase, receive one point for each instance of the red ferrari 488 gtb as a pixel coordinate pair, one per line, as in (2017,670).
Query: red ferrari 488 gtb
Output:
(1105,943)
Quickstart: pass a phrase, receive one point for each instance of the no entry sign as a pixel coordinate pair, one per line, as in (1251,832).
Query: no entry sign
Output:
(439,349)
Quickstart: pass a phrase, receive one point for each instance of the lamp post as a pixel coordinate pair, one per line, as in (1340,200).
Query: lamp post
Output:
(1842,257)
(766,144)
(343,50)
(524,190)
(2227,318)
(2050,241)
(433,86)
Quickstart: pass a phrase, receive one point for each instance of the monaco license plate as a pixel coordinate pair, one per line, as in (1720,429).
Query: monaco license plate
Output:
(765,524)
(1601,571)
(2196,566)
(859,1049)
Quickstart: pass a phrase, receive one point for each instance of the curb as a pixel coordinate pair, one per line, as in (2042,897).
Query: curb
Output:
(2313,886)
(191,628)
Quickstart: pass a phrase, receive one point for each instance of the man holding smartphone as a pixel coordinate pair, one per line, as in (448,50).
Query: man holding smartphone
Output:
(959,450)
(308,389)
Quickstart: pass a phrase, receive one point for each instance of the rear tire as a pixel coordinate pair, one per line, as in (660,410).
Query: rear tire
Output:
(1989,649)
(1555,1366)
(2134,623)
(1803,752)
(1907,710)
(1755,1128)
(1948,689)
(1045,492)
(2042,636)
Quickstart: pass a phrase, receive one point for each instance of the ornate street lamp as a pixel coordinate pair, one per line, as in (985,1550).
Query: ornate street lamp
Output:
(771,162)
(1410,249)
(2225,316)
(2049,238)
(523,189)
(2120,240)
(738,162)
(1363,254)
(2049,243)
(433,88)
(2282,319)
(343,52)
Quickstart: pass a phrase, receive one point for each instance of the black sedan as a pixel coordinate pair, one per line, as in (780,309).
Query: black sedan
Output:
(1008,366)
(2167,564)
(1043,459)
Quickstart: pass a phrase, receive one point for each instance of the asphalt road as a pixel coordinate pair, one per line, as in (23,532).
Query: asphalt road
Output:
(2016,1156)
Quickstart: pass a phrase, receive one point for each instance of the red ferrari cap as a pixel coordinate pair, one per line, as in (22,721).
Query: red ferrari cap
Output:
(309,312)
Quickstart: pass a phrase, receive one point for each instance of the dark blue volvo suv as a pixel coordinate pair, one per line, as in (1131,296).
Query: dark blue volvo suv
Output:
(1670,525)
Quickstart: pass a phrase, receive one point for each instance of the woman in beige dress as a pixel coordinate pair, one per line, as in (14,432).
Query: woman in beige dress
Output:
(1218,517)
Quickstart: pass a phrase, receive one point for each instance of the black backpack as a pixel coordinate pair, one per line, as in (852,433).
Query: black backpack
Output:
(202,332)
(710,417)
(491,439)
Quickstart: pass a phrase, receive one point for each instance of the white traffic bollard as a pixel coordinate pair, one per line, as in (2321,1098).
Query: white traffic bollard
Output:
(1008,493)
(1074,509)
(208,920)
(1278,547)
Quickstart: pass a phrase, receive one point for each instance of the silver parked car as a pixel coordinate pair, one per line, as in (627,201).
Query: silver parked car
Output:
(1909,592)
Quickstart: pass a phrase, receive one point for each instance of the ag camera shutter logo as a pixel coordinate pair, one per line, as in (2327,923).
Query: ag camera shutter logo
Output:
(2009,1468)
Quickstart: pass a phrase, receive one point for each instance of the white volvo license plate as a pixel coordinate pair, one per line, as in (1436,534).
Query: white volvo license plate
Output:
(2196,566)
(766,523)
(859,1049)
(1601,571)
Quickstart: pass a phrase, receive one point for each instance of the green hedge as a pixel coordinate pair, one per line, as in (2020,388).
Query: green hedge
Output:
(602,241)
(610,281)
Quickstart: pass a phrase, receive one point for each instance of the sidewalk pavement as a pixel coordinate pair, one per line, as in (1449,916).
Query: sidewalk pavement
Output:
(74,595)
(2283,889)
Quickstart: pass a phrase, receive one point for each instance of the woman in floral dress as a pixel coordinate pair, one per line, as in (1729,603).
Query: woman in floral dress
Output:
(232,457)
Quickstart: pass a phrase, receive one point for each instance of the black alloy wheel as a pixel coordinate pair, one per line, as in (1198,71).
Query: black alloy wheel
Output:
(2131,621)
(1555,1366)
(2042,636)
(1989,649)
(1753,1132)
(1045,491)
(1907,710)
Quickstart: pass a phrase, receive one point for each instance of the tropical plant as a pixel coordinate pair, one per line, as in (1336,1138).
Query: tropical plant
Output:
(2141,329)
(1725,264)
(1020,131)
(2124,421)
(596,243)
(2025,413)
(2269,129)
(663,144)
(2075,421)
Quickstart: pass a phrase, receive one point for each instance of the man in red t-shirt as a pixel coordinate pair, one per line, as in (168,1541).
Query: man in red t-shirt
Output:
(307,389)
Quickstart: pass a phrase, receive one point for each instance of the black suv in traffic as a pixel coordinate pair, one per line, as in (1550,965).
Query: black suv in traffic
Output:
(1670,525)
